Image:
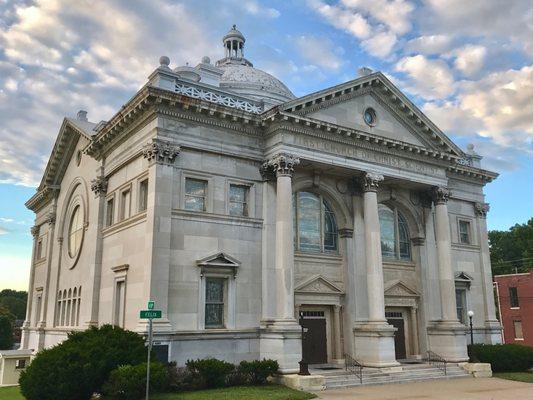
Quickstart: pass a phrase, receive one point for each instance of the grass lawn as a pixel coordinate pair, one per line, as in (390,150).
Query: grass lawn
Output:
(10,393)
(515,376)
(267,392)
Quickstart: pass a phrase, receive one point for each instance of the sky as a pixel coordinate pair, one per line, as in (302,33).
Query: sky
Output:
(466,64)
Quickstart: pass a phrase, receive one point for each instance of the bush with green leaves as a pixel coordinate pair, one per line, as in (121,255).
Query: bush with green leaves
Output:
(6,329)
(79,366)
(258,371)
(211,371)
(503,357)
(128,382)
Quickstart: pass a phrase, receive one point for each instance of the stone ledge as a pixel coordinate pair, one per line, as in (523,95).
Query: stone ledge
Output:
(301,382)
(477,370)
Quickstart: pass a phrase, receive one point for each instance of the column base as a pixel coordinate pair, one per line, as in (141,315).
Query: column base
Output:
(493,332)
(281,340)
(448,340)
(374,344)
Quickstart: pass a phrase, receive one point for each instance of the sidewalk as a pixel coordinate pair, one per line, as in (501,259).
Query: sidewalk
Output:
(451,389)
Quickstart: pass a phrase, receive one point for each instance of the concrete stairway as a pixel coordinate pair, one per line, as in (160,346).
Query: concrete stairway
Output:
(340,378)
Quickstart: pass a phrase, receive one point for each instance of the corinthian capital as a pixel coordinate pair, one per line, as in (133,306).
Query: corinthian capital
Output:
(34,230)
(51,217)
(282,164)
(160,151)
(371,181)
(481,209)
(99,186)
(440,195)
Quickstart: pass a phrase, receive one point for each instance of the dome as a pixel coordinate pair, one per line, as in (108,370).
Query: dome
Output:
(252,82)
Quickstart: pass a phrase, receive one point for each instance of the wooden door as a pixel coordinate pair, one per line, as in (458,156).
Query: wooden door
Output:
(314,341)
(399,337)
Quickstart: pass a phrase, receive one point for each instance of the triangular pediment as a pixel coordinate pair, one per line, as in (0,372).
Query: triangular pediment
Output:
(220,259)
(397,117)
(398,288)
(317,284)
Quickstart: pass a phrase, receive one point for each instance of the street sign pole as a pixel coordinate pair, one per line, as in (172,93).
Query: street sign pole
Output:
(148,362)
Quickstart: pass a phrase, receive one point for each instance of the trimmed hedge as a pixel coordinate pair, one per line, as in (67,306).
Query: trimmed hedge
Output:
(503,357)
(213,372)
(79,366)
(258,371)
(128,382)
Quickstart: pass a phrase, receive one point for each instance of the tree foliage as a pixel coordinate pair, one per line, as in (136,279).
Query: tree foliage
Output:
(512,250)
(14,301)
(6,329)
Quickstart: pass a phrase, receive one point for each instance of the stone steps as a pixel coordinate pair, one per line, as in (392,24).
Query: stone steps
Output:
(410,373)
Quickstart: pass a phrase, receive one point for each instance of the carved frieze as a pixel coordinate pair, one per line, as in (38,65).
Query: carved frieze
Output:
(99,186)
(160,151)
(481,209)
(282,164)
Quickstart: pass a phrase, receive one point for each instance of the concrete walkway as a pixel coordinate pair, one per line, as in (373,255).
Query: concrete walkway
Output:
(451,389)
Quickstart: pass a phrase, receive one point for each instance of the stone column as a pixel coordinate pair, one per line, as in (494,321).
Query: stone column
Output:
(281,335)
(414,327)
(25,330)
(337,332)
(493,327)
(374,340)
(447,337)
(160,155)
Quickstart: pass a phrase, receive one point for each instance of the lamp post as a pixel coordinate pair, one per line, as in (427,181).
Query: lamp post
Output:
(470,316)
(304,367)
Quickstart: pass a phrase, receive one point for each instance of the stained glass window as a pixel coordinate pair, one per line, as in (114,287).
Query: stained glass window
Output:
(238,200)
(214,303)
(195,194)
(75,232)
(395,240)
(315,226)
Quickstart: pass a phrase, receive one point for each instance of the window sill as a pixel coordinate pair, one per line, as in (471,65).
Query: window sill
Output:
(314,255)
(514,308)
(400,263)
(519,339)
(466,246)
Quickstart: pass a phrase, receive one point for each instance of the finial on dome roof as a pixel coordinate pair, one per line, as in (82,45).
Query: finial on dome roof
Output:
(164,61)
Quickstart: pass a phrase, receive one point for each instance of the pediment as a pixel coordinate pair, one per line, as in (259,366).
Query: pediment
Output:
(397,117)
(463,276)
(398,288)
(318,284)
(220,259)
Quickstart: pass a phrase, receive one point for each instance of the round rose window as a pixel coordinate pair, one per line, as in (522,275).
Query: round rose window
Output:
(370,117)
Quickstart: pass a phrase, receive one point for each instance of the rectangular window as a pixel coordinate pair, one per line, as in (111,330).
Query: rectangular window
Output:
(464,232)
(20,364)
(143,195)
(518,330)
(214,303)
(125,204)
(460,300)
(513,297)
(195,194)
(110,209)
(39,249)
(38,302)
(120,299)
(238,200)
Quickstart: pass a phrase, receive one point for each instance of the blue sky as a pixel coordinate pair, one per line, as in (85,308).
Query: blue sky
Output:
(466,64)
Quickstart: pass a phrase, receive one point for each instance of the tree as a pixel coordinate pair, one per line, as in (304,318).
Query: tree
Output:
(512,250)
(15,301)
(6,329)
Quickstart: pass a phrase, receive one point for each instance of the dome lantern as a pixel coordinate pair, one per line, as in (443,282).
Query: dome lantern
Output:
(234,48)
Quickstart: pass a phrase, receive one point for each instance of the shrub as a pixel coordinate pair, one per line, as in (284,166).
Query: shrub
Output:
(502,357)
(79,366)
(258,371)
(128,382)
(182,379)
(213,372)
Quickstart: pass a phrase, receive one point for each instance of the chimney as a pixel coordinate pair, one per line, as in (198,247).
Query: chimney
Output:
(82,115)
(364,71)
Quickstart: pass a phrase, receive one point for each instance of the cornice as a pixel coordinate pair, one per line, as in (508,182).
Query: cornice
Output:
(471,174)
(43,196)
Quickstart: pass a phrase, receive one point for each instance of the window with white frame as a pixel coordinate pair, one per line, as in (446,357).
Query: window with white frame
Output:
(460,300)
(75,231)
(315,226)
(110,210)
(38,306)
(68,307)
(125,204)
(513,297)
(465,236)
(215,295)
(120,303)
(238,200)
(143,195)
(195,194)
(518,334)
(395,240)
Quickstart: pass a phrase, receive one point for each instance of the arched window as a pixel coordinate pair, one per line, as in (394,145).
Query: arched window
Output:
(395,242)
(315,227)
(75,232)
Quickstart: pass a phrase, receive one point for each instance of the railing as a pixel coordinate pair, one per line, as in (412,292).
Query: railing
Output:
(436,360)
(352,365)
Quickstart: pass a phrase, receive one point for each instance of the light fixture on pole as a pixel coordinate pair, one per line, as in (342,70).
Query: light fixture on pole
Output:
(470,316)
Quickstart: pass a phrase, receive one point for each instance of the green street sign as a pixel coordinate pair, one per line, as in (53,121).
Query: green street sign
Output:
(149,314)
(151,305)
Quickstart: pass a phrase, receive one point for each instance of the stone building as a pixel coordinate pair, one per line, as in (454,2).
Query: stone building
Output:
(236,206)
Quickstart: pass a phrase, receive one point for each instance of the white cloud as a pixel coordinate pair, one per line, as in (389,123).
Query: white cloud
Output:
(469,59)
(3,231)
(430,44)
(319,51)
(430,79)
(380,44)
(252,7)
(395,14)
(348,20)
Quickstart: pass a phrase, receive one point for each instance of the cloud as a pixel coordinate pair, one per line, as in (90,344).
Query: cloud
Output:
(430,44)
(319,51)
(3,231)
(430,79)
(469,59)
(252,7)
(380,44)
(348,20)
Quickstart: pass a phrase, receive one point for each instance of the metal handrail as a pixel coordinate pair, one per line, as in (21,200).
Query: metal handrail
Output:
(352,365)
(437,360)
